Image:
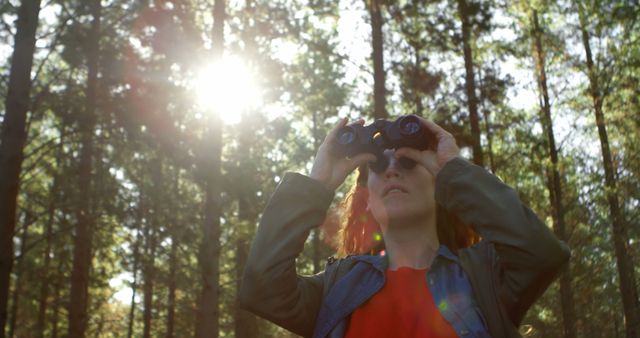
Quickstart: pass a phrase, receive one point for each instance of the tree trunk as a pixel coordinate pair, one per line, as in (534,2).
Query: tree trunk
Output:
(148,277)
(209,255)
(14,134)
(379,91)
(17,290)
(84,226)
(316,231)
(486,114)
(45,273)
(171,301)
(136,261)
(152,233)
(245,322)
(416,73)
(628,289)
(173,263)
(470,84)
(57,295)
(554,182)
(487,127)
(134,287)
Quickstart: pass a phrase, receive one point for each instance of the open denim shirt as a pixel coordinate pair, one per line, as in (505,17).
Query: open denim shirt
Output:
(447,281)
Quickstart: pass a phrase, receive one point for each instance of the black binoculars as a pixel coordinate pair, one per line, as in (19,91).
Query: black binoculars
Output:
(406,131)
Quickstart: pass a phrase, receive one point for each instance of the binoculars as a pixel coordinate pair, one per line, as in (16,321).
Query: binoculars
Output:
(406,131)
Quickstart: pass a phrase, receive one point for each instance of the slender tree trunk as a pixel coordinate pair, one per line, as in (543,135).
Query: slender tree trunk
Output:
(45,273)
(151,240)
(470,84)
(136,261)
(148,277)
(59,278)
(486,114)
(245,322)
(173,263)
(14,134)
(628,289)
(17,290)
(416,73)
(171,301)
(379,91)
(84,227)
(134,287)
(316,231)
(554,184)
(209,255)
(487,127)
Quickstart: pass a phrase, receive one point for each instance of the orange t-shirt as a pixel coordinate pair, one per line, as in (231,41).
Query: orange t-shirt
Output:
(403,307)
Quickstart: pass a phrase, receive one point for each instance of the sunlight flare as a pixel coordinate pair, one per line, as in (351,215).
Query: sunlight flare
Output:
(227,88)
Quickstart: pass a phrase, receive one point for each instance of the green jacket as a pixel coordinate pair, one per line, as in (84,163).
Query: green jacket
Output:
(509,269)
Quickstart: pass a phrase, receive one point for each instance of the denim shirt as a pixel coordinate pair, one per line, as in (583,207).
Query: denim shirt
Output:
(447,281)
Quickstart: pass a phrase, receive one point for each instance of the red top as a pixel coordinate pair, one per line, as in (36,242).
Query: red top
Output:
(403,307)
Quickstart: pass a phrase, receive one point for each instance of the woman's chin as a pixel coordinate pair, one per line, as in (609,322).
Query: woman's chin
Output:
(397,205)
(405,213)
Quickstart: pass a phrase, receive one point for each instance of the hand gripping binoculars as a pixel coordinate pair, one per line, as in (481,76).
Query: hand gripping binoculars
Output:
(406,131)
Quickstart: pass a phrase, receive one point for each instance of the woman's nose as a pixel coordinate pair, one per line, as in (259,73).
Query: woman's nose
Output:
(392,167)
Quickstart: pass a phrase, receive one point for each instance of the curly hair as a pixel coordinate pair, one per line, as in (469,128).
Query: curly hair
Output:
(360,234)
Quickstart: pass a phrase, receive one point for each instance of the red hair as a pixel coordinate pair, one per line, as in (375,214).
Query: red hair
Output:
(360,234)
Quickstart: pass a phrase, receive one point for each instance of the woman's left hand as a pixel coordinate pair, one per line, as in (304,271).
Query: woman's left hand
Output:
(446,149)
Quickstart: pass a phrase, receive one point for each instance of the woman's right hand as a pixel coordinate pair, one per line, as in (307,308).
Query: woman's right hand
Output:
(330,169)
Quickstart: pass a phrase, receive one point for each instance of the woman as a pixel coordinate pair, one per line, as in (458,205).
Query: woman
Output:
(419,288)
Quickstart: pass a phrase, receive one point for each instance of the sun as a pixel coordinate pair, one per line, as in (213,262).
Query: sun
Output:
(227,88)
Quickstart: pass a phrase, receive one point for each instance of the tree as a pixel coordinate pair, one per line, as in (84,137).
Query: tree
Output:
(626,272)
(208,311)
(377,55)
(54,200)
(553,175)
(85,219)
(465,14)
(13,138)
(416,25)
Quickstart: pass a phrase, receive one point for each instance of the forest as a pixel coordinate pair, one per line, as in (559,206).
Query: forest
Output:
(141,140)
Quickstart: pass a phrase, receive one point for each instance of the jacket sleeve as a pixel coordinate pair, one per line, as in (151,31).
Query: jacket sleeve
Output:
(270,286)
(528,253)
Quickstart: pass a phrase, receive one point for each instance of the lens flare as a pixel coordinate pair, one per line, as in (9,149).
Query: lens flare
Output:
(227,88)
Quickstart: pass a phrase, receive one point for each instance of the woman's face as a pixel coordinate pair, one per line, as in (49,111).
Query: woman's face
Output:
(400,194)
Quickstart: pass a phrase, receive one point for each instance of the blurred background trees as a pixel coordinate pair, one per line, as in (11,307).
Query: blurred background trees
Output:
(141,139)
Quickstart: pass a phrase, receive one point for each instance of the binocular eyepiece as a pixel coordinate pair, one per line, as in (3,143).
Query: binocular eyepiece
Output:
(406,131)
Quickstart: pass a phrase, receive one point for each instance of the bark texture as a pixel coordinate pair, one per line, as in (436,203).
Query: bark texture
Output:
(14,134)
